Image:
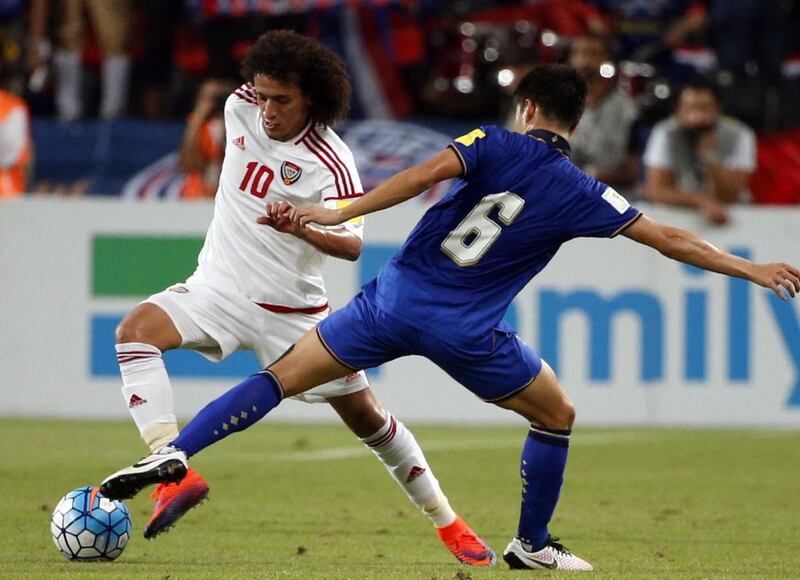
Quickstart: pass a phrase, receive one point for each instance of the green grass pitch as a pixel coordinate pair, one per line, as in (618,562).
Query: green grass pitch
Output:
(305,501)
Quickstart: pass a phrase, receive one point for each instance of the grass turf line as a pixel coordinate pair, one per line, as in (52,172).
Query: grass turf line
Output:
(305,501)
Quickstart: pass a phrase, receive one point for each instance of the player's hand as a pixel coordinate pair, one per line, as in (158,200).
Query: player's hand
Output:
(279,217)
(706,142)
(783,279)
(716,212)
(302,216)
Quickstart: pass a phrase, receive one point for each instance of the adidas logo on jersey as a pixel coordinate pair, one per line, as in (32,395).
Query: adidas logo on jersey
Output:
(239,142)
(415,472)
(135,401)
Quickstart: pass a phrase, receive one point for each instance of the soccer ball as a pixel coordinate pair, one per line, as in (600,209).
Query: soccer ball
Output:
(86,525)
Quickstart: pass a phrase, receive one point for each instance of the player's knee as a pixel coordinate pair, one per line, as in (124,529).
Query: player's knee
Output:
(149,324)
(366,419)
(560,416)
(133,329)
(360,411)
(568,414)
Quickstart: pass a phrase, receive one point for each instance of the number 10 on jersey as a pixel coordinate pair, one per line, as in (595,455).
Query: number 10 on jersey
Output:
(259,178)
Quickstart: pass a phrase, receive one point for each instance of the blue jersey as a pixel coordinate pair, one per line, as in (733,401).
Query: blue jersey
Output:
(518,200)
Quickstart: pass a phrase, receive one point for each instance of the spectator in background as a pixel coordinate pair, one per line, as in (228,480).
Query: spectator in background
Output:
(203,145)
(749,32)
(750,40)
(570,18)
(648,31)
(12,42)
(111,21)
(601,144)
(698,158)
(161,21)
(16,145)
(228,27)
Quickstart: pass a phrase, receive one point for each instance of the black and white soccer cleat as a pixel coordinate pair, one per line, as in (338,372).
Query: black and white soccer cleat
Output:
(166,466)
(553,556)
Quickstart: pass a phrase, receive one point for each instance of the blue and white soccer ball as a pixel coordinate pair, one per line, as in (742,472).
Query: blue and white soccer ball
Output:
(86,525)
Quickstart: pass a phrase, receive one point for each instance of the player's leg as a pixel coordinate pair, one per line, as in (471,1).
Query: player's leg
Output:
(391,442)
(112,21)
(192,315)
(544,458)
(141,338)
(397,448)
(494,371)
(306,365)
(67,61)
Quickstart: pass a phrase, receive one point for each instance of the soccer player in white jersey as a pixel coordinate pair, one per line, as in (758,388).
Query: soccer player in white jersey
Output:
(259,286)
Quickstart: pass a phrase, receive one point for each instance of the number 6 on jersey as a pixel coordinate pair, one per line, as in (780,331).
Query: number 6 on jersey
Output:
(473,237)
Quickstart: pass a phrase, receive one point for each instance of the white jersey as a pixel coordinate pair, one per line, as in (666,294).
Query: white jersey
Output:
(316,167)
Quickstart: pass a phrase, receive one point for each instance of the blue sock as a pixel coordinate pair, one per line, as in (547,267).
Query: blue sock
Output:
(234,411)
(544,458)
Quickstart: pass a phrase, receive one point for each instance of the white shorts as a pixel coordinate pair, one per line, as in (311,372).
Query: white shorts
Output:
(216,322)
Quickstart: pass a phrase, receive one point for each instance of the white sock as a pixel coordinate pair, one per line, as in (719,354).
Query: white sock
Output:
(69,74)
(147,392)
(115,86)
(159,435)
(399,451)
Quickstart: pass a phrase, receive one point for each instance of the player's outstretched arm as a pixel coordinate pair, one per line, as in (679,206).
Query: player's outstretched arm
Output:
(687,247)
(337,242)
(396,189)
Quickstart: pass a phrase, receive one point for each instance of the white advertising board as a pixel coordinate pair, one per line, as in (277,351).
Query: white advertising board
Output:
(636,338)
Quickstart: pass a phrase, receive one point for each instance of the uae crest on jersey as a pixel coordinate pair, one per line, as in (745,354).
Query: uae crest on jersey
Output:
(290,172)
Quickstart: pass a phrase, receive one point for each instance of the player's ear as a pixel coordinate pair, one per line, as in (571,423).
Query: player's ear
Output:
(522,118)
(528,111)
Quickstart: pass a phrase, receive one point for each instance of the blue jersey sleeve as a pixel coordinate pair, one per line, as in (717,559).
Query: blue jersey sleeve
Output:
(485,151)
(600,212)
(470,150)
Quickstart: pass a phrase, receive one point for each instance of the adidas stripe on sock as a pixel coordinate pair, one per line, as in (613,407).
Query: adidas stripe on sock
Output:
(402,456)
(147,390)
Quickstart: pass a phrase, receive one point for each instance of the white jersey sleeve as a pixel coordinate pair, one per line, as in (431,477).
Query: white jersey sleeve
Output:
(270,267)
(339,194)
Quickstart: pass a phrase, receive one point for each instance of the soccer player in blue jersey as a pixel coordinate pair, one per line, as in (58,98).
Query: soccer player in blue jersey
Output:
(443,295)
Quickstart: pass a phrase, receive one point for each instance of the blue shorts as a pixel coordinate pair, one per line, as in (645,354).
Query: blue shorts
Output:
(361,336)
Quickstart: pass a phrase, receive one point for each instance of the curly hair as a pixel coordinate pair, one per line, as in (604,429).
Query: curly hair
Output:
(291,57)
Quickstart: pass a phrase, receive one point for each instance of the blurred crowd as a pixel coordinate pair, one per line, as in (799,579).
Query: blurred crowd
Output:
(676,87)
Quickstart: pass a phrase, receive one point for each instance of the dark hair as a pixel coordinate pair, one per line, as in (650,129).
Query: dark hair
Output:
(558,90)
(701,83)
(290,57)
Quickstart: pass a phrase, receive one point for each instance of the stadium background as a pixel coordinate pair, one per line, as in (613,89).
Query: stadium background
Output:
(637,340)
(641,343)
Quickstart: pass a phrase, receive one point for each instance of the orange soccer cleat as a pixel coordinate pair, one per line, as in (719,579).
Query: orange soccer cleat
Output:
(465,544)
(173,500)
